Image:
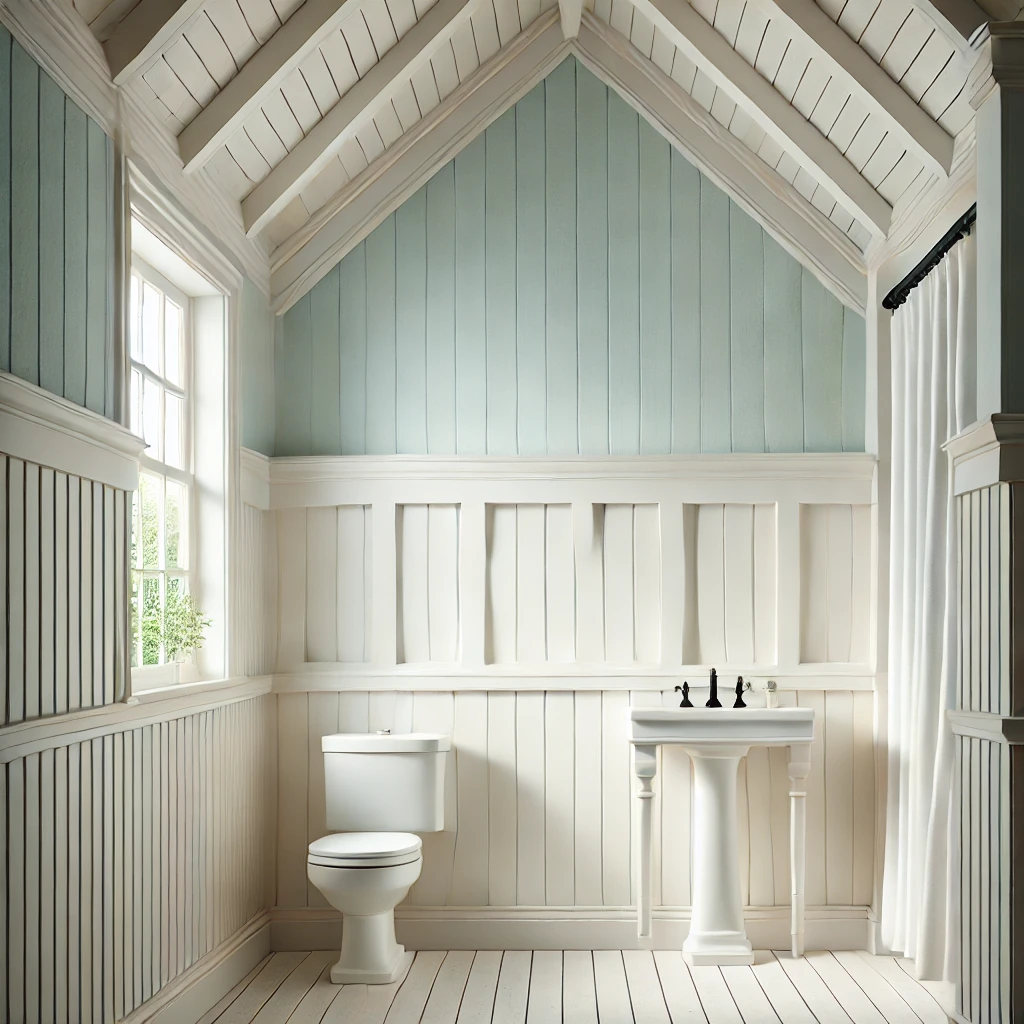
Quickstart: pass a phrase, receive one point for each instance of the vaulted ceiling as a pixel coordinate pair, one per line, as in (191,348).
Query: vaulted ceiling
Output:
(318,117)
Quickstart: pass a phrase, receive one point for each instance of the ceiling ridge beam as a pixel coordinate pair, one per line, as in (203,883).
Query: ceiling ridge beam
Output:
(397,173)
(869,82)
(323,141)
(266,69)
(569,13)
(800,228)
(770,110)
(144,32)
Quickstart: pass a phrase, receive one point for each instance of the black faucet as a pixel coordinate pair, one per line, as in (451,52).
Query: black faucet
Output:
(685,691)
(713,701)
(739,693)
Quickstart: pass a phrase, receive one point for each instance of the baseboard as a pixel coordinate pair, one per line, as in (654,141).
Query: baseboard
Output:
(565,928)
(185,999)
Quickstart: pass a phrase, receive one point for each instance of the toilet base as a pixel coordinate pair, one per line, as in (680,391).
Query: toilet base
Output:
(369,953)
(345,976)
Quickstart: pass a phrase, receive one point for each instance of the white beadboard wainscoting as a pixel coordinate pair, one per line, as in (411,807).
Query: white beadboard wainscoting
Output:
(136,844)
(539,825)
(66,477)
(522,606)
(447,573)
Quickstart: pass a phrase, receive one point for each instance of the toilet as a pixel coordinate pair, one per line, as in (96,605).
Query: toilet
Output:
(380,789)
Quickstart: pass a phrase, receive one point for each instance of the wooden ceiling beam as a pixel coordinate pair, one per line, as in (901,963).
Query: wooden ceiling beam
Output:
(144,32)
(959,20)
(351,113)
(769,109)
(268,67)
(569,13)
(857,70)
(800,228)
(398,172)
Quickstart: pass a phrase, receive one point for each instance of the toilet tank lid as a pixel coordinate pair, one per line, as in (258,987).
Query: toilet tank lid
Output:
(384,743)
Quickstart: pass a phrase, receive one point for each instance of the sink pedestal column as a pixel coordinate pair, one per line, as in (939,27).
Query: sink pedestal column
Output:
(717,934)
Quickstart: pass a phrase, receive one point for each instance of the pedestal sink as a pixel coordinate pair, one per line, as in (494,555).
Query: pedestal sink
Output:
(716,739)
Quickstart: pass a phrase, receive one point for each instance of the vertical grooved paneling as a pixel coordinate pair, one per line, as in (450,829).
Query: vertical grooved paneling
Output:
(500,273)
(411,326)
(470,300)
(111,842)
(530,273)
(579,288)
(592,261)
(561,369)
(325,359)
(623,278)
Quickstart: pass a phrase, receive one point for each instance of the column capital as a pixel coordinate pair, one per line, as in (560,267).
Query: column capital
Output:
(1000,49)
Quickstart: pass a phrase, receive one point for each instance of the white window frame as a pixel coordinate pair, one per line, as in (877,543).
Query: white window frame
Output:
(166,673)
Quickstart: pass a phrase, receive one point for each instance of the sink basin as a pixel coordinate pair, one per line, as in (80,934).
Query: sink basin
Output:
(716,739)
(712,727)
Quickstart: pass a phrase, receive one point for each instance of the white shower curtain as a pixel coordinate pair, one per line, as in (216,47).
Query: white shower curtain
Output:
(933,399)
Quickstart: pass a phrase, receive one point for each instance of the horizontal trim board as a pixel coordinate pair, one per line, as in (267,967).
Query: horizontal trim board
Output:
(839,478)
(567,928)
(325,679)
(51,431)
(254,479)
(18,741)
(983,725)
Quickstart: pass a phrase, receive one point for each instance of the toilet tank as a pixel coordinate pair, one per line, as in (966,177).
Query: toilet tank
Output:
(385,782)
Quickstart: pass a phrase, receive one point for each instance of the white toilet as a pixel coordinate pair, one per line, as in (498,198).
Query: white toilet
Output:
(380,788)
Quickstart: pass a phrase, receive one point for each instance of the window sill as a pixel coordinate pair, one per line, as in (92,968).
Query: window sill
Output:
(162,677)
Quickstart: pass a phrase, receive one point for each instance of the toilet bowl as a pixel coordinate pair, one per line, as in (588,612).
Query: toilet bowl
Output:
(366,875)
(379,789)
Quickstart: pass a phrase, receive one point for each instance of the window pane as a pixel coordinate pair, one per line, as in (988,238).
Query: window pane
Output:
(176,521)
(172,432)
(149,493)
(151,395)
(172,342)
(151,327)
(136,387)
(152,620)
(134,320)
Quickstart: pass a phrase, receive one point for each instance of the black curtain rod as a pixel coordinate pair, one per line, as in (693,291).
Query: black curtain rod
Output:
(899,294)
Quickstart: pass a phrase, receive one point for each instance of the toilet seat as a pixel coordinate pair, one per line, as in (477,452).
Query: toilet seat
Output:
(365,849)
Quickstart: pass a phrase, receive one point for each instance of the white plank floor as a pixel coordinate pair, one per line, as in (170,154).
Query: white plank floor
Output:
(581,987)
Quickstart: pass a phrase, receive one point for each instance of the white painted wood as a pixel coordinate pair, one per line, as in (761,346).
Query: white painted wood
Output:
(569,14)
(711,583)
(443,524)
(559,799)
(715,996)
(470,875)
(819,36)
(646,584)
(588,533)
(531,584)
(530,780)
(322,581)
(502,575)
(350,114)
(847,992)
(413,568)
(695,38)
(502,799)
(619,584)
(383,638)
(472,597)
(297,39)
(512,994)
(291,575)
(143,33)
(560,584)
(738,540)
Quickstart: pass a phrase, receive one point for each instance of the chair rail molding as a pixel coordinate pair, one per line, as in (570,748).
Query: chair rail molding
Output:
(309,481)
(988,452)
(51,431)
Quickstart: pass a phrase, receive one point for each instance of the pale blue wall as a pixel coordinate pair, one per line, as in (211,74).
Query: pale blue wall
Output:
(569,283)
(56,237)
(256,369)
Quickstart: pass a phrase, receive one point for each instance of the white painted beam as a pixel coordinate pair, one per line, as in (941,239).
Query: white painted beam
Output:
(769,109)
(145,31)
(800,228)
(268,67)
(855,68)
(373,195)
(957,20)
(570,12)
(351,112)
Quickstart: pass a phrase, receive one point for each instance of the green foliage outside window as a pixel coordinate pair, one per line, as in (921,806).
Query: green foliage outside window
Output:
(175,623)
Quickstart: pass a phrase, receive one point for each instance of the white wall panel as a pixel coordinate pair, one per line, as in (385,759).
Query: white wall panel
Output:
(63,569)
(256,597)
(540,794)
(131,855)
(579,586)
(835,546)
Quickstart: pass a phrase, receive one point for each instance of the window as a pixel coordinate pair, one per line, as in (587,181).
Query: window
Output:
(160,399)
